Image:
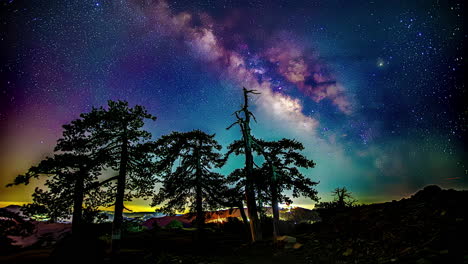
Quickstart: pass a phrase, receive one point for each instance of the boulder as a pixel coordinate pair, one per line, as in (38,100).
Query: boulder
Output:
(286,241)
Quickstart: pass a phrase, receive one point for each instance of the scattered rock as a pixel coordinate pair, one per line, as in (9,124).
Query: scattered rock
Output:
(422,229)
(286,241)
(297,245)
(348,252)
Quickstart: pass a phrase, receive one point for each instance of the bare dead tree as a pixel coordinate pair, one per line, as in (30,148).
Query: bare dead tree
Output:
(243,117)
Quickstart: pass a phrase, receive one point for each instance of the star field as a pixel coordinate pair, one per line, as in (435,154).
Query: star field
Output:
(374,89)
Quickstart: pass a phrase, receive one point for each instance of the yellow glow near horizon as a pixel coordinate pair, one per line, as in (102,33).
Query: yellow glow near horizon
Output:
(306,206)
(7,203)
(137,208)
(133,207)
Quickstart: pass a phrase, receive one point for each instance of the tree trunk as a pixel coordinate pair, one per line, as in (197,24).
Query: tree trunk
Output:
(119,200)
(261,209)
(78,204)
(274,196)
(275,208)
(255,227)
(200,221)
(244,217)
(199,208)
(252,206)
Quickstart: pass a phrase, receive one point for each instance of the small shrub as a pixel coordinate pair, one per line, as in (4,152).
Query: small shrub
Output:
(174,224)
(132,225)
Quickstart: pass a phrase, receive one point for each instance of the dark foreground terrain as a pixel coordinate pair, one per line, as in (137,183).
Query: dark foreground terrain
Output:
(429,227)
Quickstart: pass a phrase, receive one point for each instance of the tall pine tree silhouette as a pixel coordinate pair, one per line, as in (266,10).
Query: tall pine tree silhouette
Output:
(71,178)
(106,138)
(283,158)
(189,181)
(118,131)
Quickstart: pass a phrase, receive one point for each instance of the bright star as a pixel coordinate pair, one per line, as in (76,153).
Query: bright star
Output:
(380,63)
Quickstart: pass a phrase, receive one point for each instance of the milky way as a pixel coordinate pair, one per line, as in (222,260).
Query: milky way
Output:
(374,90)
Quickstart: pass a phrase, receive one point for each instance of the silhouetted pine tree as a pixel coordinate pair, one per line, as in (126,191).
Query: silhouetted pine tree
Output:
(283,158)
(117,132)
(72,180)
(187,159)
(243,120)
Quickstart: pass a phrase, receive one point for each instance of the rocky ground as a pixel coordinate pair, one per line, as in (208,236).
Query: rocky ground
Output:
(429,227)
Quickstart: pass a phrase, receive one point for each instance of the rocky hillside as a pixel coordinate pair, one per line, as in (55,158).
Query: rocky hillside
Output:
(429,227)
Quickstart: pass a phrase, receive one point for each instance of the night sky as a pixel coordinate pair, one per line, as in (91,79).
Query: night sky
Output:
(374,89)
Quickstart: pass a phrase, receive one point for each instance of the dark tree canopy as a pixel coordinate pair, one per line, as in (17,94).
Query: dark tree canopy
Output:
(111,139)
(71,182)
(285,156)
(277,174)
(56,201)
(187,160)
(118,132)
(108,131)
